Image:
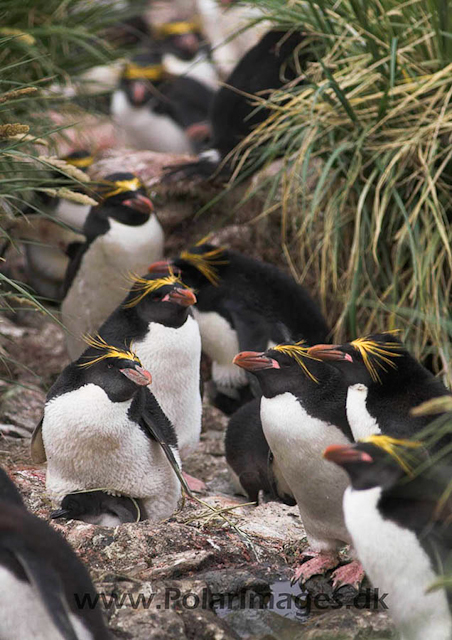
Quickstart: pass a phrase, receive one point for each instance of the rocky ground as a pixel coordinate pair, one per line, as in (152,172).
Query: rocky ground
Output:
(201,574)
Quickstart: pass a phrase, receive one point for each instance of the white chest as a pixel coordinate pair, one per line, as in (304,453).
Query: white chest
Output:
(199,69)
(220,342)
(397,565)
(91,443)
(173,357)
(31,620)
(148,130)
(361,422)
(297,441)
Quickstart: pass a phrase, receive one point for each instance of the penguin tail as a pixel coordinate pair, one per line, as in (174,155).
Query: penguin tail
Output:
(205,168)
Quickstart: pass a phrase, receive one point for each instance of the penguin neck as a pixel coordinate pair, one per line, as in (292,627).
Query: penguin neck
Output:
(127,215)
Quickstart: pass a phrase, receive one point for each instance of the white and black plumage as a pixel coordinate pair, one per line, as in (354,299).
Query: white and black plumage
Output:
(401,532)
(123,235)
(251,463)
(98,507)
(263,69)
(302,412)
(102,430)
(384,383)
(156,317)
(185,52)
(243,304)
(39,576)
(156,110)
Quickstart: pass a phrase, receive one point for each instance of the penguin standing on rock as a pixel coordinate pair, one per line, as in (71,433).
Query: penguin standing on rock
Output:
(399,517)
(384,383)
(123,235)
(102,430)
(251,463)
(302,412)
(41,578)
(156,317)
(266,67)
(242,304)
(157,111)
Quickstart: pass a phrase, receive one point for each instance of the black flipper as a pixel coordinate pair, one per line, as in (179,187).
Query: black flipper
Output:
(47,584)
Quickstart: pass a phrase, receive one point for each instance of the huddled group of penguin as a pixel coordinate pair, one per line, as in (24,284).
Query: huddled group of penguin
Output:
(327,427)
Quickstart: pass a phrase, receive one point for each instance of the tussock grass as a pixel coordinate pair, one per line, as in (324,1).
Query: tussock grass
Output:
(371,116)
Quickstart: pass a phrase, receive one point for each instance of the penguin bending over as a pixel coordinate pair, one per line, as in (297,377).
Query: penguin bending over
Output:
(41,579)
(266,67)
(156,317)
(242,304)
(155,110)
(384,383)
(102,429)
(251,464)
(123,235)
(302,412)
(401,529)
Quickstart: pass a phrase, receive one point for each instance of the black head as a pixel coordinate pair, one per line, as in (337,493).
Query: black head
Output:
(286,367)
(115,369)
(124,198)
(199,266)
(379,358)
(82,159)
(182,39)
(165,300)
(91,505)
(380,462)
(142,76)
(8,490)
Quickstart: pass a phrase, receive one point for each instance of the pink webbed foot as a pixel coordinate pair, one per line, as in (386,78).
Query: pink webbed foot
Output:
(351,573)
(198,486)
(318,565)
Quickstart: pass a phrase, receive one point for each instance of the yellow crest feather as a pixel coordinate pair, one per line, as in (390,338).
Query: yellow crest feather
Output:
(205,263)
(151,72)
(178,28)
(298,352)
(396,449)
(121,186)
(143,286)
(377,355)
(80,163)
(109,351)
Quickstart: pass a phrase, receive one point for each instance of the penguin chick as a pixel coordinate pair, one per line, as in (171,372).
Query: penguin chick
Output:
(250,304)
(385,382)
(95,432)
(186,52)
(41,579)
(154,109)
(97,507)
(302,412)
(156,317)
(265,68)
(401,530)
(251,464)
(122,235)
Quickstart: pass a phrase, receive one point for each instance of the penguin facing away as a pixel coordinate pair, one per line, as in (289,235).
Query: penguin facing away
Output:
(40,577)
(266,67)
(251,464)
(250,304)
(156,110)
(102,430)
(401,529)
(385,382)
(302,411)
(122,235)
(156,317)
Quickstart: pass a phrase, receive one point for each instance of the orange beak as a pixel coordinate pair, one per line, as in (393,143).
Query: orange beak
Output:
(344,453)
(184,297)
(327,352)
(255,361)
